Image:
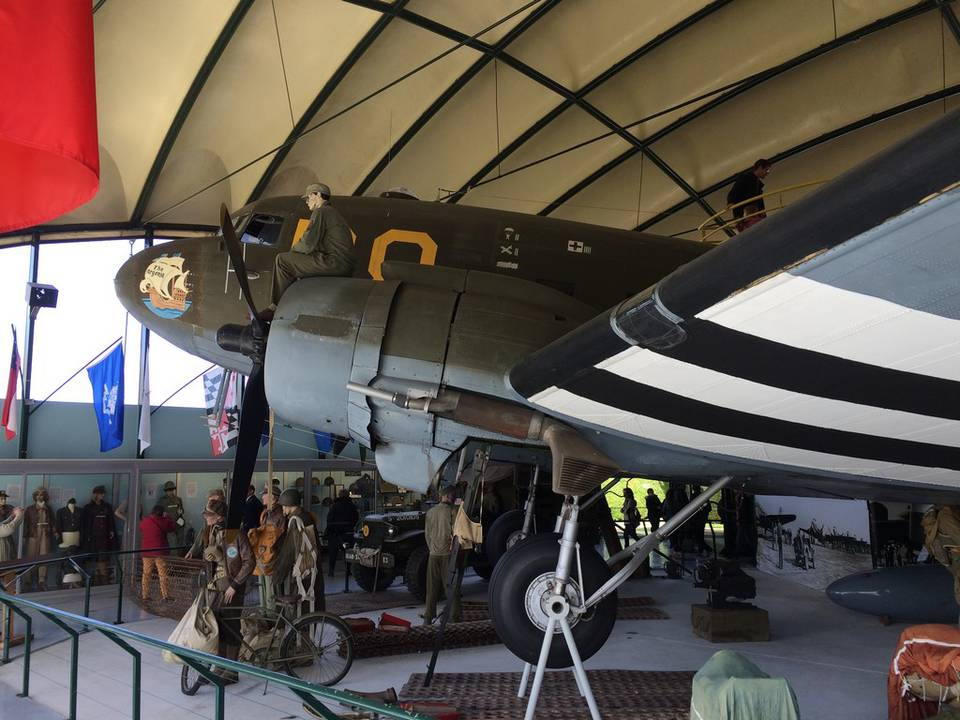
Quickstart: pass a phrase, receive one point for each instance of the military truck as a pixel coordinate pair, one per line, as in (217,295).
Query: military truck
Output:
(399,541)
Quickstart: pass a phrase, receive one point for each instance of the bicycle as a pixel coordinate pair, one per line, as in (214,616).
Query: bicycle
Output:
(316,648)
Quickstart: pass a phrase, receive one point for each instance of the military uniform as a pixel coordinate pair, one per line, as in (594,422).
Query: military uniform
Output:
(39,531)
(6,510)
(326,248)
(439,535)
(229,565)
(97,534)
(173,507)
(8,531)
(298,560)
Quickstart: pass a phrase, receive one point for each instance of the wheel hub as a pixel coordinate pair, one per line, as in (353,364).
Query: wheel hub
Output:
(541,601)
(514,538)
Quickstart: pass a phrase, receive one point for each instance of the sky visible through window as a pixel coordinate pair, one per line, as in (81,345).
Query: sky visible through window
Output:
(88,317)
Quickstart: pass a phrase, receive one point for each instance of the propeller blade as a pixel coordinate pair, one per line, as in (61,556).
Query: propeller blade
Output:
(252,414)
(236,259)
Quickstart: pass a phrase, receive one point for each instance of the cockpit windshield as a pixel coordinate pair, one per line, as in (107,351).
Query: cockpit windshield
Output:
(262,230)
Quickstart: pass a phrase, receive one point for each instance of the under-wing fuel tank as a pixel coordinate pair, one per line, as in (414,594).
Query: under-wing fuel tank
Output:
(912,593)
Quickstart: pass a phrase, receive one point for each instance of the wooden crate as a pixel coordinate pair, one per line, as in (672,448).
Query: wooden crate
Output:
(744,623)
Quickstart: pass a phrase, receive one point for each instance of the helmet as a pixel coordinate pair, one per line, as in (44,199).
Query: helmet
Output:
(290,497)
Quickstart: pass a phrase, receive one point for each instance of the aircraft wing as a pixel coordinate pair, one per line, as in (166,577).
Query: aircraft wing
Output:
(822,343)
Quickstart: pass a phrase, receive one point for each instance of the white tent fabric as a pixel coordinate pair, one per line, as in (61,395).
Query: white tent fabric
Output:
(195,97)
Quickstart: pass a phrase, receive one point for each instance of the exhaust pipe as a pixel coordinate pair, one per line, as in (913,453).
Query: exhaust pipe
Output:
(578,467)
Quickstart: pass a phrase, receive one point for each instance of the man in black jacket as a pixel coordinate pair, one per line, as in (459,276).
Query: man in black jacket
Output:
(341,520)
(749,184)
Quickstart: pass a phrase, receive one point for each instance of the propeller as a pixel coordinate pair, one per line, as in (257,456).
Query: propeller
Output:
(251,340)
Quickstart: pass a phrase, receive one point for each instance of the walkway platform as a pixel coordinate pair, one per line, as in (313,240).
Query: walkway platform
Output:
(836,660)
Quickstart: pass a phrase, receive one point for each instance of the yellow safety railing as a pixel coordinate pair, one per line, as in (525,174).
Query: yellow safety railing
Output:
(716,224)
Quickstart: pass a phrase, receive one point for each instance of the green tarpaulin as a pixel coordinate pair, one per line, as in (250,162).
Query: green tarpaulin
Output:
(730,687)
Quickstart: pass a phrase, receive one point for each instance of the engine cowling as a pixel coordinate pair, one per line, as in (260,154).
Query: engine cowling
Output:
(420,331)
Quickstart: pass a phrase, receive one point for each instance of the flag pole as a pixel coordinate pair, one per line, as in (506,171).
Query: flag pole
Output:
(25,412)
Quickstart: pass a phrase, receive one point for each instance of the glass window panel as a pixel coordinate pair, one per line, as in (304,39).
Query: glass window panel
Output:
(170,369)
(87,317)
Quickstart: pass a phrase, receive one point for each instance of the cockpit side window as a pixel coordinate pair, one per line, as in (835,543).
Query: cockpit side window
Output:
(262,230)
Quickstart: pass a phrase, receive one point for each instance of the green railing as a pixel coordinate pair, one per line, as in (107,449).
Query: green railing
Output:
(25,566)
(202,662)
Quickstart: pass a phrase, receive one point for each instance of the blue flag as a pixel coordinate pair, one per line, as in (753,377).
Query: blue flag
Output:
(106,377)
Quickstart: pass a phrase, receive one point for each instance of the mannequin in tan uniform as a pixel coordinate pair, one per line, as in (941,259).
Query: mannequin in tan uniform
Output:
(39,533)
(173,507)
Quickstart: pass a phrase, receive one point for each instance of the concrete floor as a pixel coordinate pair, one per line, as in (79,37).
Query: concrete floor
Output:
(836,660)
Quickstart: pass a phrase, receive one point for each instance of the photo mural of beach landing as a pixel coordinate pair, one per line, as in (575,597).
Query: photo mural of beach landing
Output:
(813,541)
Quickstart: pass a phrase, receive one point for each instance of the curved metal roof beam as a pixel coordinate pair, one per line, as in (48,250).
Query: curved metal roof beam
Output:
(226,34)
(814,142)
(748,84)
(547,82)
(455,87)
(951,17)
(389,12)
(599,80)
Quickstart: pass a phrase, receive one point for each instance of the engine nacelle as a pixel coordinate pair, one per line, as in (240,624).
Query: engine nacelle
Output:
(419,331)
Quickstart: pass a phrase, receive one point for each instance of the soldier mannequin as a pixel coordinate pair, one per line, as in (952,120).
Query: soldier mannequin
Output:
(439,534)
(98,532)
(325,249)
(39,532)
(173,507)
(6,510)
(68,525)
(298,559)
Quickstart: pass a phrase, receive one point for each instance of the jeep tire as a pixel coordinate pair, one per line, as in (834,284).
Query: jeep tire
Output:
(415,575)
(365,577)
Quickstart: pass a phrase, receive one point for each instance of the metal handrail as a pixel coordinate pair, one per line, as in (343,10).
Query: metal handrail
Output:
(714,226)
(200,661)
(25,567)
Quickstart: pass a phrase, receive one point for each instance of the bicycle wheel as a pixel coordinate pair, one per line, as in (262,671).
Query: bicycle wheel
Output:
(318,649)
(190,680)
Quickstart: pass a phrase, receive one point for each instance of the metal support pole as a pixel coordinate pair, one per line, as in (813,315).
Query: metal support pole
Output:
(7,632)
(135,654)
(144,361)
(119,620)
(74,659)
(211,678)
(28,349)
(7,607)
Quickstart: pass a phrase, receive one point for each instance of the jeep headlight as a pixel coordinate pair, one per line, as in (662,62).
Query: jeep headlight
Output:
(365,530)
(391,531)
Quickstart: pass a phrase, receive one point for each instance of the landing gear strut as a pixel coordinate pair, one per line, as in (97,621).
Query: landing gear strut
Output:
(529,603)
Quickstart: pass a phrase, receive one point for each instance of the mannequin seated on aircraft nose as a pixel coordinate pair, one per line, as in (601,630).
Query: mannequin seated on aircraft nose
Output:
(326,248)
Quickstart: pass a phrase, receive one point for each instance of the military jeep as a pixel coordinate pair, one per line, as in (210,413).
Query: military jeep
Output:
(398,540)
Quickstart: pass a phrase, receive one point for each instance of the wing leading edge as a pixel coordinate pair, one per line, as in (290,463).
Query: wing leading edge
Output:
(824,341)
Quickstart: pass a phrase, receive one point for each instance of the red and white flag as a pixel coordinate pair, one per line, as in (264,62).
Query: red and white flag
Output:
(10,419)
(48,125)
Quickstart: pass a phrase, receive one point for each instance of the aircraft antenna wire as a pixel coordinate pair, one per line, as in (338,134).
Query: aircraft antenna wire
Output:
(349,108)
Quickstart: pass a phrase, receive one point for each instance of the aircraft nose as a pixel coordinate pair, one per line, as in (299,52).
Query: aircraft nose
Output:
(312,348)
(161,283)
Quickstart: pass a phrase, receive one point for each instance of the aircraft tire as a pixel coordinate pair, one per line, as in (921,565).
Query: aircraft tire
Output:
(496,539)
(519,577)
(416,573)
(365,577)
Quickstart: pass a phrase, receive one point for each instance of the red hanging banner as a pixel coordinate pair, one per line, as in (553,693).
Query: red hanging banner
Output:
(49,157)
